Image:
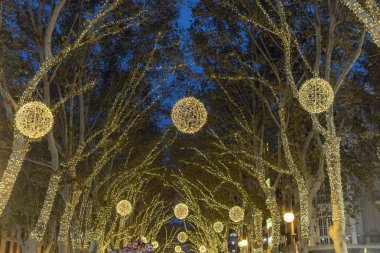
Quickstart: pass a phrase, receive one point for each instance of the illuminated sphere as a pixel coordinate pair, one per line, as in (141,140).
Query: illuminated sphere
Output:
(243,243)
(155,244)
(316,95)
(124,207)
(236,214)
(143,239)
(34,119)
(189,115)
(181,211)
(288,217)
(177,249)
(218,227)
(202,249)
(182,237)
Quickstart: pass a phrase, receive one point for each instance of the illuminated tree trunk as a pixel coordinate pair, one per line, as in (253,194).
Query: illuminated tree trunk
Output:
(338,229)
(39,229)
(258,231)
(64,226)
(371,22)
(19,150)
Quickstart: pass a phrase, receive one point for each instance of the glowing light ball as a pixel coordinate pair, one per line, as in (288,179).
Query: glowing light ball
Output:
(236,214)
(155,244)
(182,237)
(181,211)
(143,239)
(34,119)
(243,243)
(202,249)
(189,115)
(316,95)
(218,227)
(124,207)
(177,249)
(288,217)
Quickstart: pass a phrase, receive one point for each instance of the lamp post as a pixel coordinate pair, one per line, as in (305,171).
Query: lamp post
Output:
(289,218)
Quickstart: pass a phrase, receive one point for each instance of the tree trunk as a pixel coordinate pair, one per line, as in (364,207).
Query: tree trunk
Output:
(304,245)
(19,150)
(371,23)
(338,229)
(258,231)
(43,219)
(30,246)
(64,226)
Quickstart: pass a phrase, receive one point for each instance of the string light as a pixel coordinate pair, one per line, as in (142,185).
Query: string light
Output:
(124,207)
(316,95)
(189,115)
(236,214)
(177,249)
(144,239)
(202,249)
(218,227)
(182,237)
(181,211)
(34,119)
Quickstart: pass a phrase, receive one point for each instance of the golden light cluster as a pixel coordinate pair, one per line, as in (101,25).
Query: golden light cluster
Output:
(236,214)
(202,249)
(144,239)
(218,227)
(316,95)
(155,244)
(34,119)
(182,237)
(181,211)
(124,207)
(177,249)
(189,115)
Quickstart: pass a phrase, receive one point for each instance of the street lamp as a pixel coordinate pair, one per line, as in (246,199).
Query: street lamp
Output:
(243,245)
(289,218)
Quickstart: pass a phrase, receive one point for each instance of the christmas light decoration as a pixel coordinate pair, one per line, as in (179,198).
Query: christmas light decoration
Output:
(236,214)
(155,244)
(189,115)
(218,227)
(181,211)
(34,119)
(177,249)
(316,95)
(202,249)
(182,237)
(124,207)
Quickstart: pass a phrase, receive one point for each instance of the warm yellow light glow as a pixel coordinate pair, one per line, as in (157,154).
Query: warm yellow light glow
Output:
(189,115)
(177,249)
(243,243)
(288,217)
(181,211)
(236,214)
(182,237)
(124,207)
(155,244)
(316,95)
(202,249)
(34,119)
(218,227)
(143,239)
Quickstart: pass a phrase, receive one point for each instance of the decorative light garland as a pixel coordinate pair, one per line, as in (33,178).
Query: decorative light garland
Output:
(218,227)
(34,119)
(316,95)
(155,244)
(124,207)
(189,115)
(236,214)
(143,239)
(182,237)
(181,211)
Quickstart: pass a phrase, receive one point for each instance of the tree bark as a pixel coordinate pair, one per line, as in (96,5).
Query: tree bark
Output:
(19,150)
(338,229)
(30,245)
